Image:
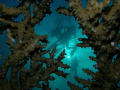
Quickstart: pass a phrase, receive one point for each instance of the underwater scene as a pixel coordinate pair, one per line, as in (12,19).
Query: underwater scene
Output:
(59,44)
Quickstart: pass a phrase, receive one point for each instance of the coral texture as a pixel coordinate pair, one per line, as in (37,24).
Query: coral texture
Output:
(25,45)
(101,23)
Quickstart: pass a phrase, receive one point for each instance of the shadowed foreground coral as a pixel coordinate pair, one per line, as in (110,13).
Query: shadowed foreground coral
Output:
(25,45)
(101,23)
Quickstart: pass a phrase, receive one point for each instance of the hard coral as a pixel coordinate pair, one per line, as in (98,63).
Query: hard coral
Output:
(24,45)
(103,37)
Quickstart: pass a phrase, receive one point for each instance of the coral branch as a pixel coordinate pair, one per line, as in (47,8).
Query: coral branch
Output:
(100,22)
(25,46)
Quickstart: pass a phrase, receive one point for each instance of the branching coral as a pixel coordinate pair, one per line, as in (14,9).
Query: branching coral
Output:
(103,37)
(24,45)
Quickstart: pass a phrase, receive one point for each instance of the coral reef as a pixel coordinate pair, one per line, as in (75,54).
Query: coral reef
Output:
(100,22)
(25,45)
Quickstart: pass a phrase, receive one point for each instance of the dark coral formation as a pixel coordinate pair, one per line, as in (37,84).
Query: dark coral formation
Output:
(24,45)
(103,37)
(63,34)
